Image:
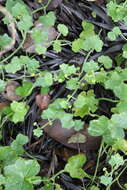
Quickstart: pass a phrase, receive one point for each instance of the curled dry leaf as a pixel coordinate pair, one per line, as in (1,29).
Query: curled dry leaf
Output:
(9,92)
(43,101)
(29,45)
(62,135)
(12,29)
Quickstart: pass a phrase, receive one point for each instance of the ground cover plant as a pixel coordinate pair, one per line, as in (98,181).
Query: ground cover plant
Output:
(63,94)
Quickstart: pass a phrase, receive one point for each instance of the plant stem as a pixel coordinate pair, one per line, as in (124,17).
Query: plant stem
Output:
(20,46)
(42,8)
(99,154)
(109,100)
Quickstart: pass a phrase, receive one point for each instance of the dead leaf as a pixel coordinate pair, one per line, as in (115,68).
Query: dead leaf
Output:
(29,45)
(77,138)
(12,29)
(43,101)
(62,135)
(9,92)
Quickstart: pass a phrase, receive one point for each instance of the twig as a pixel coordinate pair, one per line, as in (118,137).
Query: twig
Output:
(12,29)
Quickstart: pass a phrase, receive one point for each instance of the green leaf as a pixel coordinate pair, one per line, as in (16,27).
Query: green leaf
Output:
(24,168)
(39,35)
(19,10)
(77,161)
(124,50)
(31,64)
(117,12)
(114,34)
(120,120)
(2,180)
(88,30)
(73,167)
(93,43)
(90,77)
(121,91)
(14,66)
(105,180)
(120,145)
(68,69)
(25,23)
(63,29)
(85,103)
(38,132)
(111,36)
(24,90)
(106,60)
(52,113)
(45,81)
(116,160)
(55,110)
(44,90)
(7,155)
(48,19)
(98,127)
(114,81)
(100,76)
(78,125)
(19,111)
(90,66)
(67,120)
(40,49)
(72,83)
(77,45)
(115,131)
(17,144)
(116,30)
(20,174)
(57,46)
(4,40)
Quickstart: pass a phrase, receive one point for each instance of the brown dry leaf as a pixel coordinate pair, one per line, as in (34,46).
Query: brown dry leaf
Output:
(9,92)
(43,101)
(29,45)
(62,135)
(12,30)
(77,138)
